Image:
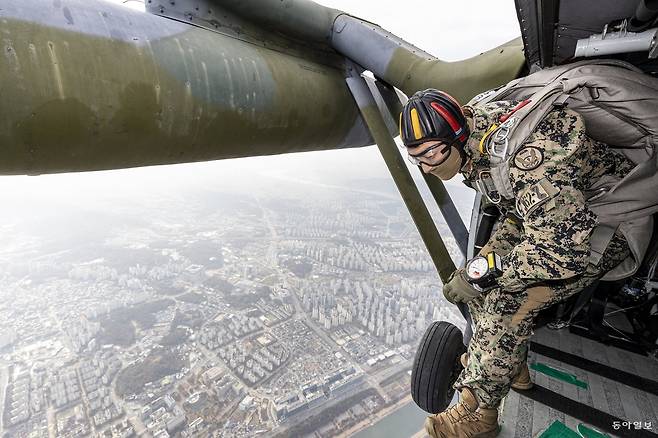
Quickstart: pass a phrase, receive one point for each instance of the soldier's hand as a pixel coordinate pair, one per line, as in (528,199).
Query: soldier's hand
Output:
(458,290)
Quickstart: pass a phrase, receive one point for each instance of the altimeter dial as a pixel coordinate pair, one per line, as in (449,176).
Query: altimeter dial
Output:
(483,270)
(477,268)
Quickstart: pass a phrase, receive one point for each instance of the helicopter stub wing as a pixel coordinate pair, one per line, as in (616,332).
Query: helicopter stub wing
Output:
(95,86)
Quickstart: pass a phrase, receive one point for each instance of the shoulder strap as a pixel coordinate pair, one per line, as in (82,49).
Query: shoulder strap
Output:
(516,130)
(628,204)
(551,90)
(540,79)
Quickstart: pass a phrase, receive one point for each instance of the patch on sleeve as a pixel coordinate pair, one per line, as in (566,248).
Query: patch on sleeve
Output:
(528,158)
(535,196)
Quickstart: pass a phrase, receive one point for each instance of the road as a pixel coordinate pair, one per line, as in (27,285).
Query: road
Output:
(372,380)
(4,382)
(273,264)
(296,419)
(51,415)
(387,372)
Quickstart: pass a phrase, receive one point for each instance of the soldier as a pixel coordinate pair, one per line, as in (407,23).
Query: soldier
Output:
(542,237)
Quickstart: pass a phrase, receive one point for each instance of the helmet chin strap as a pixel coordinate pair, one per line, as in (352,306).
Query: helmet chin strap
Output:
(463,156)
(462,147)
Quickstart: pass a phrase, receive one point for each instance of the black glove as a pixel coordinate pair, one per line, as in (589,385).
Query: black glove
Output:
(458,290)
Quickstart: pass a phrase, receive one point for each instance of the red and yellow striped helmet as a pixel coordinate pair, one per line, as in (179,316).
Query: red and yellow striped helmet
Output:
(432,115)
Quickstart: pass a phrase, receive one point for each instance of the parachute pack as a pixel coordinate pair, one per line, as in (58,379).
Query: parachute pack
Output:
(619,105)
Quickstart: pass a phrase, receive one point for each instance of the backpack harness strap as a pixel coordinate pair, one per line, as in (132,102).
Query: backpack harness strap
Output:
(599,240)
(502,140)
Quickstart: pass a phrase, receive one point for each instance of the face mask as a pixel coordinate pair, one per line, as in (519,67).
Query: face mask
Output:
(450,166)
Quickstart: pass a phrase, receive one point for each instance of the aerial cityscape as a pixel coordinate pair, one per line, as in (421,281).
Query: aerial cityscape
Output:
(291,311)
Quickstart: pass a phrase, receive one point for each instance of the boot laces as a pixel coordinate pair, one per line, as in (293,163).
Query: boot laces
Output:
(459,413)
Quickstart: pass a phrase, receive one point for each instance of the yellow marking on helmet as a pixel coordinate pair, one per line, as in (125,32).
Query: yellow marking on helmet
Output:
(400,125)
(415,124)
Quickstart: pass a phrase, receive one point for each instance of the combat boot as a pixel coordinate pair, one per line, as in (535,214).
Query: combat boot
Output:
(464,420)
(521,380)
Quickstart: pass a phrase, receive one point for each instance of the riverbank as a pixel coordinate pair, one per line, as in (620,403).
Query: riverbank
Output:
(401,420)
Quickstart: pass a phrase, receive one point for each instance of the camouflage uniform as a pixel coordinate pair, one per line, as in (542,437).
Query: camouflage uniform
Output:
(544,240)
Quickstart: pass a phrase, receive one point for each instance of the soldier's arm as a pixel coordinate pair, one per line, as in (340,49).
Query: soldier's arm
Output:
(545,175)
(507,235)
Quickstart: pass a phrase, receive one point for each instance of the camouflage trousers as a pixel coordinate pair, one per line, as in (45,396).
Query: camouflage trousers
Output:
(502,322)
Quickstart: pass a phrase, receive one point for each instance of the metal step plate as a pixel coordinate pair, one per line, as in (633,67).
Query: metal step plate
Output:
(592,387)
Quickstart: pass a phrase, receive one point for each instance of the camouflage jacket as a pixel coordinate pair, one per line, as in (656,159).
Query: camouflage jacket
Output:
(550,175)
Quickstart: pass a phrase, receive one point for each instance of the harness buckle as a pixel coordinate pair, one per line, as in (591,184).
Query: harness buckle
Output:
(498,145)
(487,188)
(501,134)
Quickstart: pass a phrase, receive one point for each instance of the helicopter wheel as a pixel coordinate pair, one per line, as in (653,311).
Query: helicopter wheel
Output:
(437,366)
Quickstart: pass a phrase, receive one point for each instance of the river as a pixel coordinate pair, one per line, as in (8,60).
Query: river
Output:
(401,423)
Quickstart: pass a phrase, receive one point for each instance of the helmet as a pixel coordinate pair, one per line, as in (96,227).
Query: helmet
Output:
(433,115)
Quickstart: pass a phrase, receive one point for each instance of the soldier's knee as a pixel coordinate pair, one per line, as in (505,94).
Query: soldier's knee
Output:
(501,303)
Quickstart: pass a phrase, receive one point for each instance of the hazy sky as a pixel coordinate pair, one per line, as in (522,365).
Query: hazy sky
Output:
(449,30)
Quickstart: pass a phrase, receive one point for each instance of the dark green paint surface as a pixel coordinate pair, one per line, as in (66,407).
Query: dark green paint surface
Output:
(557,374)
(588,432)
(80,102)
(559,430)
(75,97)
(463,79)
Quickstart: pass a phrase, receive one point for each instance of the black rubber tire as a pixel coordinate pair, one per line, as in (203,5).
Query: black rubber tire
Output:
(437,366)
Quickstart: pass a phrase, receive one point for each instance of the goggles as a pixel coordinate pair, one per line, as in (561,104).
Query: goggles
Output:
(416,159)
